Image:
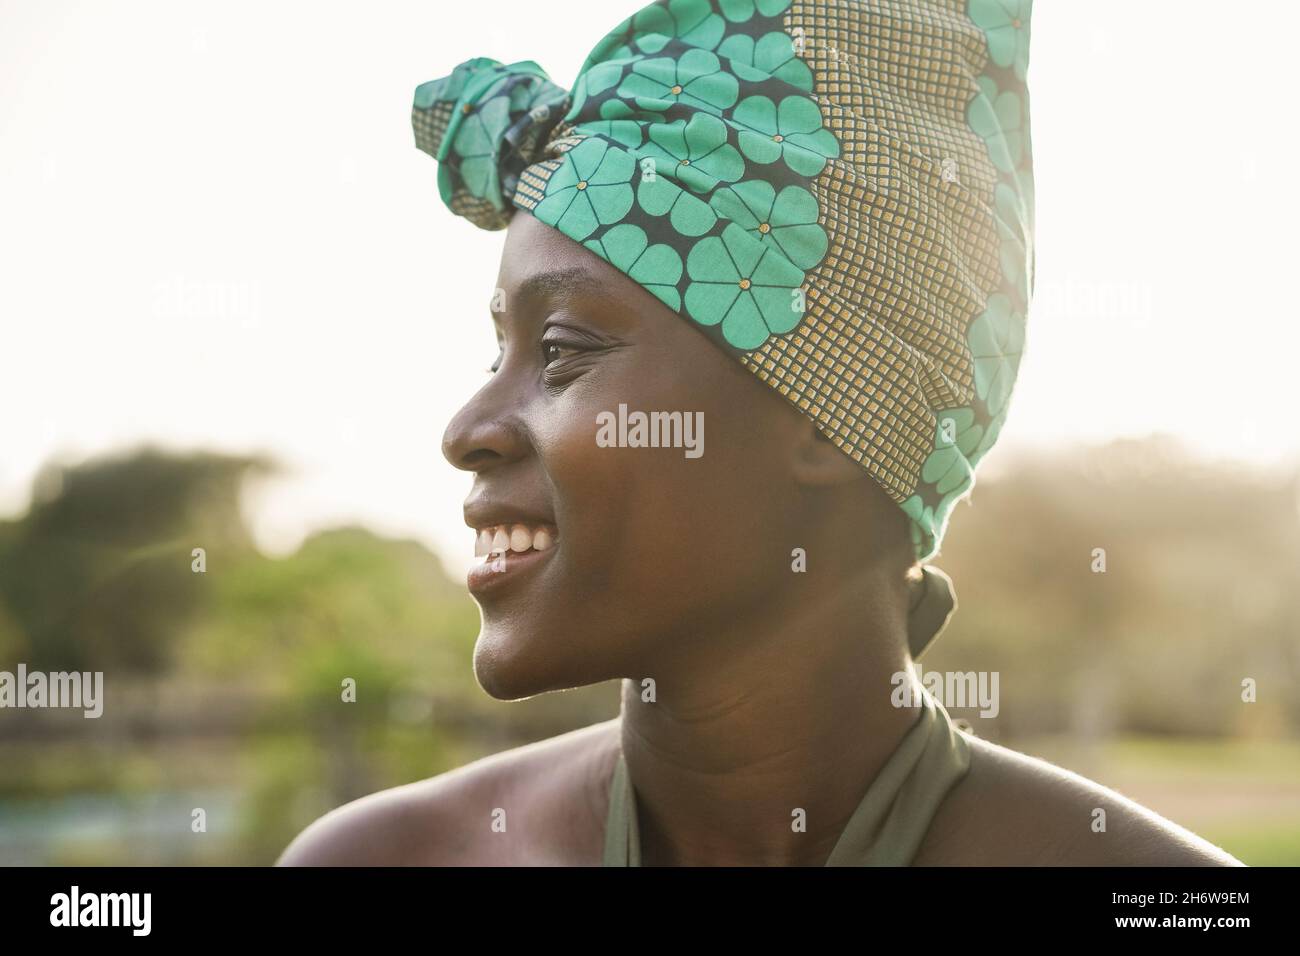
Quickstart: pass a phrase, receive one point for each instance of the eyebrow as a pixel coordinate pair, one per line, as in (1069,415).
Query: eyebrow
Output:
(549,285)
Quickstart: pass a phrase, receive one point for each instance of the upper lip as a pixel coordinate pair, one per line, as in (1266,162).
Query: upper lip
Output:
(482,511)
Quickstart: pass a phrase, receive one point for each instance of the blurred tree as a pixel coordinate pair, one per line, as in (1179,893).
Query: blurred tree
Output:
(98,574)
(1201,589)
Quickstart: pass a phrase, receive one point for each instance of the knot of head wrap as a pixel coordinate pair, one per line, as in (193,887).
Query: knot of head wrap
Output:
(484,124)
(839,193)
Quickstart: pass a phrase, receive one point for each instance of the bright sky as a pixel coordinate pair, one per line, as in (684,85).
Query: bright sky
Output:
(216,232)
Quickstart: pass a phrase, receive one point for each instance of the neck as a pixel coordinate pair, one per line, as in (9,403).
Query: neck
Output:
(789,710)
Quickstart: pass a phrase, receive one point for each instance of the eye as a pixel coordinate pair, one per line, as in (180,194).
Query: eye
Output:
(554,351)
(564,352)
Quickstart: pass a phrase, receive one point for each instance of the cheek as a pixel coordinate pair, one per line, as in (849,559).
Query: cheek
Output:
(649,531)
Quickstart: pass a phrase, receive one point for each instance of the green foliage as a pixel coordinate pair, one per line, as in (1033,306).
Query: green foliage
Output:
(97,575)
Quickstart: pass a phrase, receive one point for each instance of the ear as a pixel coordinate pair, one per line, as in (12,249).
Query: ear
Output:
(818,461)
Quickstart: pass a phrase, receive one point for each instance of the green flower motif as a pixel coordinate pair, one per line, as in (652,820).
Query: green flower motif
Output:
(1026,186)
(621,123)
(476,143)
(949,472)
(928,521)
(1006,25)
(660,196)
(696,79)
(922,526)
(990,438)
(740,11)
(792,131)
(741,283)
(598,79)
(787,221)
(444,88)
(771,55)
(1011,232)
(650,29)
(696,154)
(998,118)
(450,87)
(656,267)
(948,467)
(997,339)
(592,187)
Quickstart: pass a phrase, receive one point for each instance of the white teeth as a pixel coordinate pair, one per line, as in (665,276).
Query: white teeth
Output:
(497,540)
(521,539)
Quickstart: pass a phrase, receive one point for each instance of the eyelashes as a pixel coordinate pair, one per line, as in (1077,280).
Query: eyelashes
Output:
(551,350)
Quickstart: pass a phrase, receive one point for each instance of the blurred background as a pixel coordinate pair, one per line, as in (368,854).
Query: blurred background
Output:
(234,315)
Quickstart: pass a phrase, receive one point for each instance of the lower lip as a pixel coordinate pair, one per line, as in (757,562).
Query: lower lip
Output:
(495,573)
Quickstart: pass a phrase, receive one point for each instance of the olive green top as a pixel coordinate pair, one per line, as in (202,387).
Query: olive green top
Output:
(889,824)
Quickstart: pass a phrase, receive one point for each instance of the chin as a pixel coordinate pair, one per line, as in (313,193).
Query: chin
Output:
(513,666)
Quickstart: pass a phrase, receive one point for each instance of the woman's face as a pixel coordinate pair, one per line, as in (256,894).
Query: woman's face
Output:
(638,553)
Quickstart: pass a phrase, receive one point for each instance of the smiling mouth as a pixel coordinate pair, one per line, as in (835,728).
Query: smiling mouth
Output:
(506,551)
(501,539)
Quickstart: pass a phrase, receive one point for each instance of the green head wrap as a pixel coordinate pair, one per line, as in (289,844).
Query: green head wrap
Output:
(839,194)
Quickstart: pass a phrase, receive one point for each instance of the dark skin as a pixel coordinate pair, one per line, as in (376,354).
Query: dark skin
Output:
(679,570)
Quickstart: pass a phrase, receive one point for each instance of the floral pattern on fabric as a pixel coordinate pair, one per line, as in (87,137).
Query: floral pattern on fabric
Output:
(592,188)
(696,79)
(791,130)
(739,282)
(656,267)
(696,154)
(786,221)
(1006,24)
(773,54)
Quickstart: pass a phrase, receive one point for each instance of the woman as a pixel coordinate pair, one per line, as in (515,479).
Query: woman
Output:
(832,199)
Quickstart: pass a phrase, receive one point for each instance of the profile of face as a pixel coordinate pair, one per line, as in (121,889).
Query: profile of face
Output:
(635,561)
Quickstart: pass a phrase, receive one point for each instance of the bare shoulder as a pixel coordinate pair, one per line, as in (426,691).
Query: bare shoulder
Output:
(540,804)
(1012,809)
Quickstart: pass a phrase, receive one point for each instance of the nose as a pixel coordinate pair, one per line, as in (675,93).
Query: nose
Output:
(487,431)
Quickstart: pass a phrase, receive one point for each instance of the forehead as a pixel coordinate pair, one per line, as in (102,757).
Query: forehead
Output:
(539,263)
(543,272)
(533,248)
